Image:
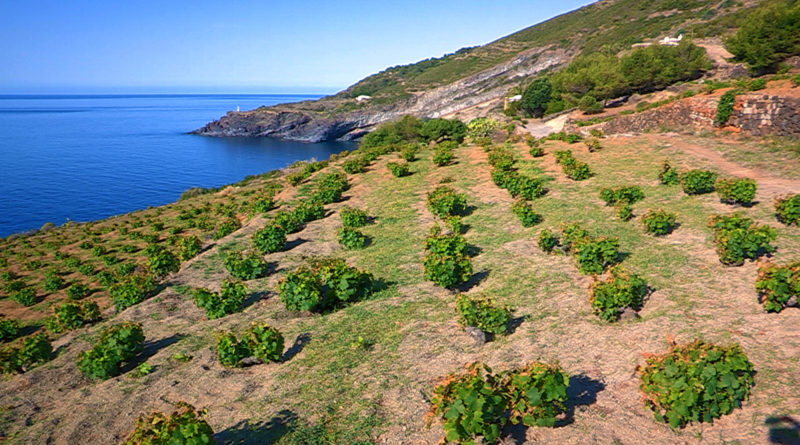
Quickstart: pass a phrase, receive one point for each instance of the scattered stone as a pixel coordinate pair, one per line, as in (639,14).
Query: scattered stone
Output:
(477,335)
(792,302)
(628,314)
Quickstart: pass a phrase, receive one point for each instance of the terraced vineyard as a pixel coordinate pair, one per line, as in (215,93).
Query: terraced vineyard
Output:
(361,364)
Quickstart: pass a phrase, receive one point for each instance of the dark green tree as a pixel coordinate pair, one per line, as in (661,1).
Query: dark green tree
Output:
(536,96)
(770,35)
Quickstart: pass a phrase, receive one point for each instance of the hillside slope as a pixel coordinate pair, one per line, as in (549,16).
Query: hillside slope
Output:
(436,87)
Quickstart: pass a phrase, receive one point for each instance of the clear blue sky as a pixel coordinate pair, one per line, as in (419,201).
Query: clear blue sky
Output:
(238,46)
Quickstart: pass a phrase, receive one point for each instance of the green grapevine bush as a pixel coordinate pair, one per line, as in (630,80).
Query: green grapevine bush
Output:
(324,285)
(70,316)
(9,328)
(161,261)
(308,211)
(398,169)
(78,291)
(740,191)
(245,265)
(573,168)
(329,188)
(519,185)
(409,153)
(535,394)
(25,297)
(271,238)
(262,204)
(548,241)
(116,345)
(446,244)
(502,159)
(618,291)
(594,255)
(227,227)
(629,195)
(353,217)
(482,127)
(259,341)
(189,247)
(447,270)
(739,238)
(778,286)
(483,313)
(34,351)
(355,165)
(228,301)
(698,182)
(131,290)
(659,222)
(668,174)
(350,238)
(523,210)
(536,151)
(725,107)
(444,201)
(442,156)
(186,425)
(696,382)
(787,208)
(624,211)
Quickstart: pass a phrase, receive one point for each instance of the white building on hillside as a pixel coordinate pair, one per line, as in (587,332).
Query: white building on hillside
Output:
(670,41)
(362,98)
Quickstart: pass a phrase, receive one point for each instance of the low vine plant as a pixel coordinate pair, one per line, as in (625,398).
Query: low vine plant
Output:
(398,169)
(668,174)
(739,238)
(353,217)
(185,425)
(698,182)
(260,341)
(324,284)
(227,301)
(269,239)
(34,350)
(525,213)
(609,297)
(116,345)
(739,191)
(787,209)
(778,287)
(351,238)
(484,313)
(659,222)
(696,382)
(443,201)
(245,265)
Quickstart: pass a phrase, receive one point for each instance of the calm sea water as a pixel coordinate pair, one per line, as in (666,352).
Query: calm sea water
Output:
(88,157)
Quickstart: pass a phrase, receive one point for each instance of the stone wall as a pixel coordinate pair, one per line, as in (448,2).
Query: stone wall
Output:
(753,113)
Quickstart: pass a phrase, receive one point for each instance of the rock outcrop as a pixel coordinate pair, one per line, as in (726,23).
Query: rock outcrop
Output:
(317,121)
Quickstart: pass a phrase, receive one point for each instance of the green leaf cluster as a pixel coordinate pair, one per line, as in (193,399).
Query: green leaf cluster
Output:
(323,285)
(573,168)
(519,185)
(186,426)
(245,265)
(353,217)
(483,313)
(502,158)
(115,345)
(619,290)
(698,182)
(777,285)
(659,222)
(668,174)
(738,238)
(227,301)
(161,261)
(524,211)
(226,227)
(189,247)
(34,351)
(131,289)
(398,169)
(787,209)
(442,156)
(739,191)
(447,262)
(351,238)
(547,240)
(9,329)
(260,341)
(482,127)
(270,238)
(593,254)
(696,382)
(68,316)
(628,194)
(443,201)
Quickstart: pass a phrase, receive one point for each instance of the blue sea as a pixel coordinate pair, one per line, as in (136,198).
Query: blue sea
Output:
(87,157)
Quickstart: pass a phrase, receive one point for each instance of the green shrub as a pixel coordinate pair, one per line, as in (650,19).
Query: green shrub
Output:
(624,210)
(482,127)
(548,241)
(523,210)
(443,130)
(161,261)
(353,217)
(262,204)
(226,227)
(725,107)
(259,341)
(271,238)
(186,425)
(355,165)
(189,247)
(778,285)
(296,178)
(52,282)
(594,255)
(70,316)
(478,403)
(618,291)
(78,291)
(329,188)
(228,301)
(519,185)
(13,285)
(9,329)
(668,174)
(739,238)
(398,169)
(409,153)
(470,405)
(324,285)
(245,265)
(757,84)
(447,244)
(573,168)
(590,105)
(116,345)
(787,209)
(447,270)
(740,191)
(629,195)
(536,152)
(34,351)
(698,182)
(443,156)
(502,159)
(593,144)
(25,297)
(308,211)
(131,290)
(767,37)
(483,313)
(696,382)
(443,201)
(659,222)
(536,96)
(350,238)
(535,394)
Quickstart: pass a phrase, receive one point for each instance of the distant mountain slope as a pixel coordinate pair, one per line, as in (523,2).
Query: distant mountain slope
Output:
(439,86)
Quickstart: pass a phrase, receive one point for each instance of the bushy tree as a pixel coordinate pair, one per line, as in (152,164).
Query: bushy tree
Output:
(536,96)
(768,36)
(443,129)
